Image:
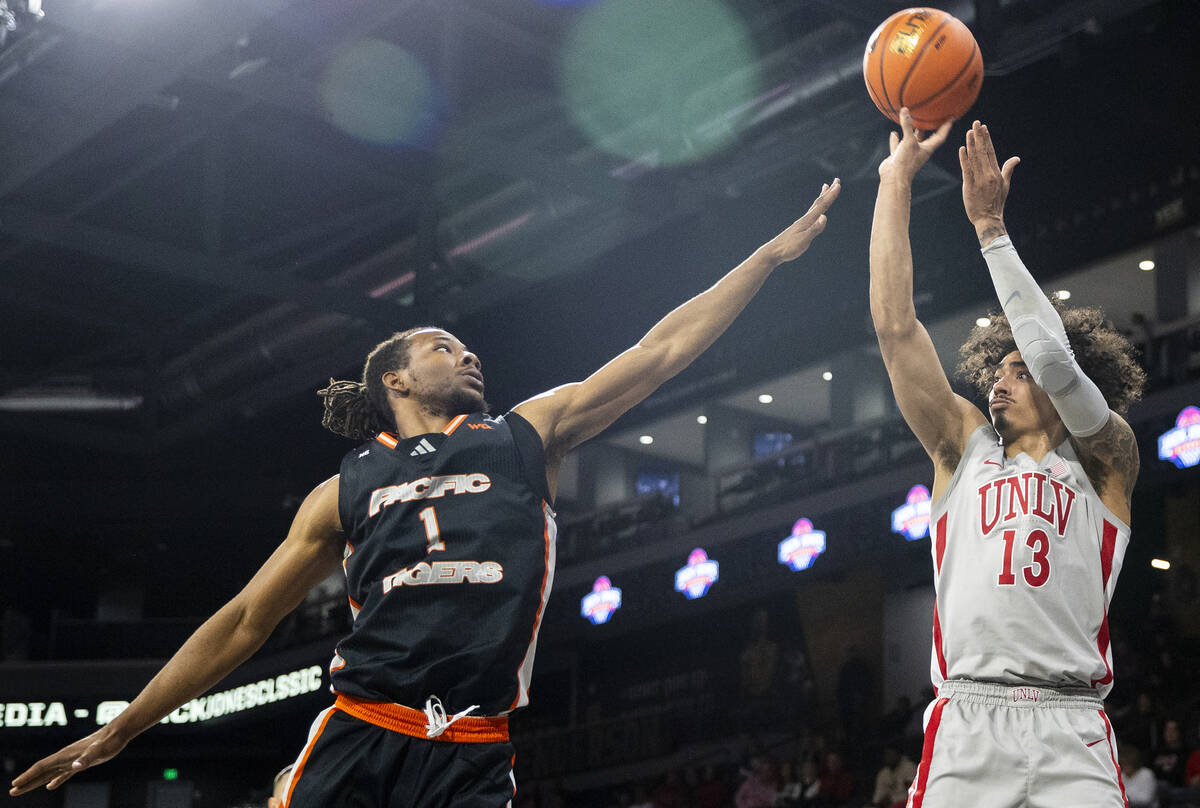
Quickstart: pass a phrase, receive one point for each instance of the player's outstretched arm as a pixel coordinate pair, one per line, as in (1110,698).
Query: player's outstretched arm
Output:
(940,419)
(567,416)
(1104,440)
(312,550)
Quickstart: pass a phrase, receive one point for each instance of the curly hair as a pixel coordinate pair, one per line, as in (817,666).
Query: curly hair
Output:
(1103,353)
(359,410)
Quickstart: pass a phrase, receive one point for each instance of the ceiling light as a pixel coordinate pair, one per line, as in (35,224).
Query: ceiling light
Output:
(1160,564)
(827,375)
(765,398)
(1063,294)
(646,440)
(1146,266)
(983,322)
(702,419)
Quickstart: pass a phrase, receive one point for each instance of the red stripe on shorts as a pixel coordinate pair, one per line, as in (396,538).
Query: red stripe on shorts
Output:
(1113,756)
(916,795)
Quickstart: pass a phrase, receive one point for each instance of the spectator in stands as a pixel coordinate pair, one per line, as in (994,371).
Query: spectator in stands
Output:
(1139,724)
(1141,789)
(837,783)
(803,788)
(1192,774)
(279,787)
(712,790)
(855,684)
(759,662)
(761,785)
(893,725)
(892,781)
(1170,762)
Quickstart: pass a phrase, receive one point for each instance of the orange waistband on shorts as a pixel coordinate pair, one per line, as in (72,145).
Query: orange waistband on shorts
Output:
(407,721)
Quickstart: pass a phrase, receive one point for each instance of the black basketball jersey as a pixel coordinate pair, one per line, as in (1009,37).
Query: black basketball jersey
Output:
(449,561)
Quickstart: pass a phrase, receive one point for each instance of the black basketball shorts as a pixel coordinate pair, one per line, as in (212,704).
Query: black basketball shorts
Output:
(372,755)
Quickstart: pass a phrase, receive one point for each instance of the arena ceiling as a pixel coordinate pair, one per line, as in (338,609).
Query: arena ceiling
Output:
(194,213)
(209,208)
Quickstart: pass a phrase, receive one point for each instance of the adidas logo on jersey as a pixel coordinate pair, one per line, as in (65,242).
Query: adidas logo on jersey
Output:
(422,448)
(445,572)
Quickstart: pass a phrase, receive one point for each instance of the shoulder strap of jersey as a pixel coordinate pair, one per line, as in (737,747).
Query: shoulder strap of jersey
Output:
(532,452)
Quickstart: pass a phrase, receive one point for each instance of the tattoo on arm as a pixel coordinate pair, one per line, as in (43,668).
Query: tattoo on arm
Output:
(1112,450)
(991,232)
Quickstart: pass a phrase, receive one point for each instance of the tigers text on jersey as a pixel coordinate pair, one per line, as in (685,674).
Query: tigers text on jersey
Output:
(1025,559)
(449,561)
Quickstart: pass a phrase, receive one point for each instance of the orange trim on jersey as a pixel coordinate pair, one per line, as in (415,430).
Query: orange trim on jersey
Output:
(916,796)
(453,425)
(307,751)
(407,721)
(354,603)
(387,439)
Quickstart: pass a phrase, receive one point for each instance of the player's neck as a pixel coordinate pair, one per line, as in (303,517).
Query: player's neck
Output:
(415,420)
(1035,443)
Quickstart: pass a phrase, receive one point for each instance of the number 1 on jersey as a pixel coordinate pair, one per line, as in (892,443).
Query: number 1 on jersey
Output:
(432,535)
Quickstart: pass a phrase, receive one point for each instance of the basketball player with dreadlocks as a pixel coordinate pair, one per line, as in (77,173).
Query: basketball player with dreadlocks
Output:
(1031,510)
(443,525)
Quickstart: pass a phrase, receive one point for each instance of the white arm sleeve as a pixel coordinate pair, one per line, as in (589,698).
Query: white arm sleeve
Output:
(1040,337)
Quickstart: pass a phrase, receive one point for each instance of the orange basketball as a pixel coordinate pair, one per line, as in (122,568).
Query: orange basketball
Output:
(926,60)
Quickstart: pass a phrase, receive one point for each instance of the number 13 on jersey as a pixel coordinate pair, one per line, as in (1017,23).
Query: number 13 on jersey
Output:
(1035,574)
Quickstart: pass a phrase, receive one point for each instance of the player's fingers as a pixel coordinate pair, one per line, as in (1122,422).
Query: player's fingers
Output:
(893,142)
(58,781)
(985,141)
(1007,171)
(906,122)
(939,136)
(963,163)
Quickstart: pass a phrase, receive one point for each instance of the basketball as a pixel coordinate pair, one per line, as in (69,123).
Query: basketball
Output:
(926,60)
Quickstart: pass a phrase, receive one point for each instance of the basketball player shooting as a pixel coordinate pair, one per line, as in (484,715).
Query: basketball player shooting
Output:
(1031,510)
(442,523)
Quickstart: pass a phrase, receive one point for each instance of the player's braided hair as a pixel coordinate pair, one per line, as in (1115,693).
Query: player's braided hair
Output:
(1103,353)
(359,410)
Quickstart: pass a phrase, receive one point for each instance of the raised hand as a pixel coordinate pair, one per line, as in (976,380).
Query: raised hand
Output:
(797,236)
(985,183)
(912,150)
(54,770)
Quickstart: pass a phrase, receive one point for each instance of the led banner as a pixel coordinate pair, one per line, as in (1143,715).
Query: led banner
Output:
(801,549)
(911,520)
(1181,445)
(599,604)
(36,714)
(700,573)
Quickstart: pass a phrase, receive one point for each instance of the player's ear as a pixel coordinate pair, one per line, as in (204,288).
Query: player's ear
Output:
(397,382)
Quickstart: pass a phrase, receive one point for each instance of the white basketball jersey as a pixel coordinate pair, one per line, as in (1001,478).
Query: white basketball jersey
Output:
(1025,560)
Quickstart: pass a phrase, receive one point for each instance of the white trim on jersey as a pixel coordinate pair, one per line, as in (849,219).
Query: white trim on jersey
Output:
(525,672)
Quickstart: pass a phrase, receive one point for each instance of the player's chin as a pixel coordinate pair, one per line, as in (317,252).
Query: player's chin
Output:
(467,402)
